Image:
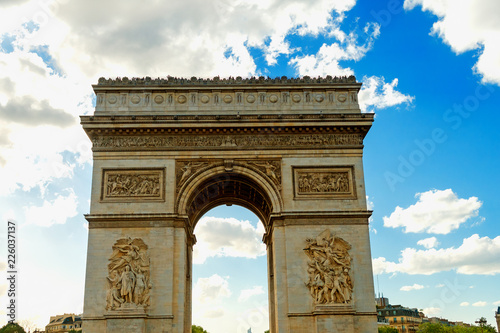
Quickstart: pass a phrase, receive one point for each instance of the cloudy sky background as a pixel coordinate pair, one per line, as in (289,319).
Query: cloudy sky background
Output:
(430,72)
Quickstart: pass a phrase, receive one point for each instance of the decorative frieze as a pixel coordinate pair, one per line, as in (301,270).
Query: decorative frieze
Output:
(173,142)
(128,277)
(132,184)
(324,182)
(180,94)
(329,269)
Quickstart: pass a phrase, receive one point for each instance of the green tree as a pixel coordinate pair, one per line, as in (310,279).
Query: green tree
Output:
(197,329)
(440,328)
(387,329)
(12,328)
(432,328)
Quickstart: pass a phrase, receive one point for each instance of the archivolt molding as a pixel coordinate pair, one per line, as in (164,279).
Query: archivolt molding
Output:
(191,174)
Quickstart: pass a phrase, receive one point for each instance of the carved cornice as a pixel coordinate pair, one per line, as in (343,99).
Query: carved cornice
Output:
(234,118)
(217,81)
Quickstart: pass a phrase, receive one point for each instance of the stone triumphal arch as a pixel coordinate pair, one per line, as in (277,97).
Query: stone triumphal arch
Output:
(168,150)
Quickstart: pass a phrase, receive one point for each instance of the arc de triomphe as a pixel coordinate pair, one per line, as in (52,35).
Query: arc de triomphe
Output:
(168,150)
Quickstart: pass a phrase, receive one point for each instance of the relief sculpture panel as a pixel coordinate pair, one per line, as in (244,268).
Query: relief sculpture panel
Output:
(327,183)
(144,184)
(329,269)
(129,275)
(102,143)
(271,168)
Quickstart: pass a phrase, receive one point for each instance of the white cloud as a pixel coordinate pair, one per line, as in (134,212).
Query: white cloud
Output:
(377,94)
(436,211)
(326,60)
(464,304)
(440,285)
(214,313)
(212,289)
(52,212)
(496,303)
(38,122)
(247,293)
(370,205)
(187,38)
(428,243)
(227,237)
(465,26)
(479,304)
(410,288)
(475,256)
(432,311)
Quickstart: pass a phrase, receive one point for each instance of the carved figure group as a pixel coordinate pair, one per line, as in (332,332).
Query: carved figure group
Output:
(329,269)
(323,182)
(129,272)
(119,185)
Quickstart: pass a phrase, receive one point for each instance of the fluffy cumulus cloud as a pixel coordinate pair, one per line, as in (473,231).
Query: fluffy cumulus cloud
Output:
(212,289)
(410,288)
(247,293)
(468,25)
(208,295)
(56,211)
(436,211)
(476,255)
(464,304)
(326,60)
(38,122)
(480,304)
(192,37)
(378,94)
(432,311)
(428,243)
(227,237)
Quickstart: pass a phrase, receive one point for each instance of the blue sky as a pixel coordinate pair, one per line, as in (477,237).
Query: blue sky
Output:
(430,71)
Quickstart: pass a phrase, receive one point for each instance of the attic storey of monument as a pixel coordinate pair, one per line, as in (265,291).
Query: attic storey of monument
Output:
(168,150)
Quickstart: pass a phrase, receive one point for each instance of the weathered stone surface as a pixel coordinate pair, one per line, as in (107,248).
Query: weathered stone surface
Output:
(167,150)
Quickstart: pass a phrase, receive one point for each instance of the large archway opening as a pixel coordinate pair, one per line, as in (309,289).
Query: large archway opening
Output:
(229,213)
(230,278)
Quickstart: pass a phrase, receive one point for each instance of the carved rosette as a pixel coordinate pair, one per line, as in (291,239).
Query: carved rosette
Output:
(329,269)
(145,184)
(128,278)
